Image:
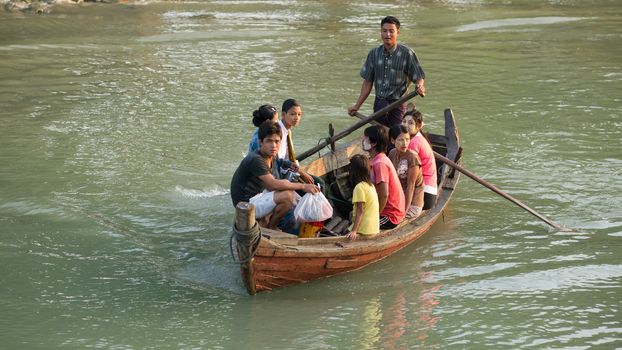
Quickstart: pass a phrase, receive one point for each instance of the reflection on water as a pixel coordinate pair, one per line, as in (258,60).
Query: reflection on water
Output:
(122,126)
(368,327)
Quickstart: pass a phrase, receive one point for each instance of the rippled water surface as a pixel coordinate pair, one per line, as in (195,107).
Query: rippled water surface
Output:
(122,125)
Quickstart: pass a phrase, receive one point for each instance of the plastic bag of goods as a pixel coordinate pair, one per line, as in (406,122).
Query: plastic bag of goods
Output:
(313,207)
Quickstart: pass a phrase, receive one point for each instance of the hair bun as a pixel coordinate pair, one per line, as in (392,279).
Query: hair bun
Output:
(263,113)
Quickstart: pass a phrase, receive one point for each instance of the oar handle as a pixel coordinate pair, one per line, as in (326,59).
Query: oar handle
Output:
(356,126)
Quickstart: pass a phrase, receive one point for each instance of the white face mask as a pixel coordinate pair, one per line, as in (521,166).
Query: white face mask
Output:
(366,145)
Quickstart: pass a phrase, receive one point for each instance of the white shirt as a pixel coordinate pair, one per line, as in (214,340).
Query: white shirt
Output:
(283,150)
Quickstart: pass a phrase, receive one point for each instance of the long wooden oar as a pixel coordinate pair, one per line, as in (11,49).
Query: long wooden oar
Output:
(494,189)
(352,128)
(503,194)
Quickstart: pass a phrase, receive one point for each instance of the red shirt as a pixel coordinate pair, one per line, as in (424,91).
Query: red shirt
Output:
(382,170)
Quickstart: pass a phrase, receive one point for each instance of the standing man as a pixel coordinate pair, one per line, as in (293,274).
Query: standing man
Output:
(391,68)
(258,172)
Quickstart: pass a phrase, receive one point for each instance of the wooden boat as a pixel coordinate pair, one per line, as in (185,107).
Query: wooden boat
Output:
(275,259)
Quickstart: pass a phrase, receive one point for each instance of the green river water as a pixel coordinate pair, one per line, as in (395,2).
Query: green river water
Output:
(121,125)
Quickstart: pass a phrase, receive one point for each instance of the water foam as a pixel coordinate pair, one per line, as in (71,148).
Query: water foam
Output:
(214,191)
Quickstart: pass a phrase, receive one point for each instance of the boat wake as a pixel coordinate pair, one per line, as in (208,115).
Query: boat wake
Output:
(212,275)
(214,191)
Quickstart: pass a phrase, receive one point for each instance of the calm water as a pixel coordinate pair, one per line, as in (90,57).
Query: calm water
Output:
(121,127)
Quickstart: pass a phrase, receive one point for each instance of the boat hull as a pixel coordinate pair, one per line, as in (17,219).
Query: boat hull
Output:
(280,259)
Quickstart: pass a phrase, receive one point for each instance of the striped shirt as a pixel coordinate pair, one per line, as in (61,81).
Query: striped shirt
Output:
(392,71)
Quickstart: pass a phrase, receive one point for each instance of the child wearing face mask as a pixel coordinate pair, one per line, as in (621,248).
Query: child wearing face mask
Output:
(391,201)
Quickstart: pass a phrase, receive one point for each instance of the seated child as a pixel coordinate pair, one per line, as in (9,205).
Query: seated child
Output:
(365,219)
(408,167)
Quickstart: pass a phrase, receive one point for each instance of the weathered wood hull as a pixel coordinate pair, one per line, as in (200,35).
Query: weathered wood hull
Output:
(281,259)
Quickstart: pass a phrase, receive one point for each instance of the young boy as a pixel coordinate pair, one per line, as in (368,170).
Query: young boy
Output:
(258,171)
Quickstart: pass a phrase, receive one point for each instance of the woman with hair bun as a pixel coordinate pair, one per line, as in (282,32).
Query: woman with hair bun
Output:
(263,113)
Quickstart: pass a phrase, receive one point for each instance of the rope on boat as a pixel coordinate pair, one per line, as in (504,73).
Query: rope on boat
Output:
(247,241)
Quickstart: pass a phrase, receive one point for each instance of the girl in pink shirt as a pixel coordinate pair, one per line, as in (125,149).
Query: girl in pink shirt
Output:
(418,143)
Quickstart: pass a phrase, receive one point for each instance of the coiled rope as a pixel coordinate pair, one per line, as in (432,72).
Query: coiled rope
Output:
(249,239)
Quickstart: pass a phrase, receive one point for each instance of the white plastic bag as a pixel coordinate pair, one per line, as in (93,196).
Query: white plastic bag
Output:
(264,203)
(313,207)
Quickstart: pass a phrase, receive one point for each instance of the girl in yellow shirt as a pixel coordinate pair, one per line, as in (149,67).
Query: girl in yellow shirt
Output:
(365,211)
